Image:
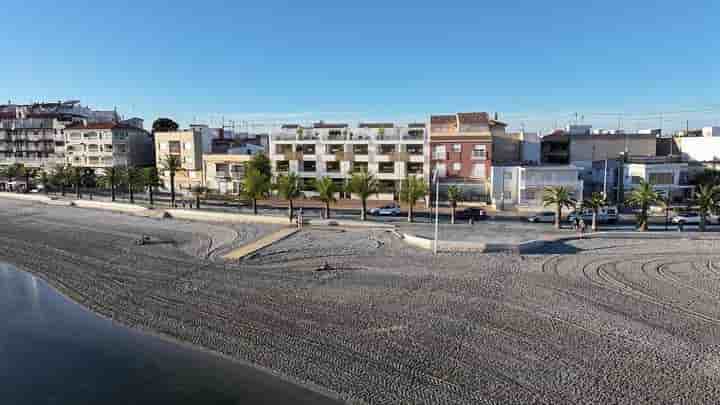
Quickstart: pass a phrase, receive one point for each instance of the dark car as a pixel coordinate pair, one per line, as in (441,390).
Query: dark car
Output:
(476,214)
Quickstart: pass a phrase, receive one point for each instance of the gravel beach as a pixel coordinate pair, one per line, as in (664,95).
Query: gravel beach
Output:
(622,320)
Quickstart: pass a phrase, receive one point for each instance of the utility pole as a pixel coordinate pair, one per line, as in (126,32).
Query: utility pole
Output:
(437,209)
(605,174)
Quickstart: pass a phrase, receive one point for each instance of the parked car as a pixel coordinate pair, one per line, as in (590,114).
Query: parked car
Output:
(605,215)
(387,210)
(687,218)
(546,216)
(477,214)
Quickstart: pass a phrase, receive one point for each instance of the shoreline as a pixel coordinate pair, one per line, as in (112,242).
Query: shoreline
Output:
(69,295)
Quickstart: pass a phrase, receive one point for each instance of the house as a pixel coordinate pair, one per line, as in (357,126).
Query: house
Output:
(189,146)
(224,173)
(522,187)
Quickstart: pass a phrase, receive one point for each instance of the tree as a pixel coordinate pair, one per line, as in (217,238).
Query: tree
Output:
(594,203)
(134,178)
(27,173)
(455,195)
(326,189)
(76,179)
(164,125)
(707,199)
(198,191)
(288,188)
(412,189)
(255,186)
(560,197)
(261,163)
(172,164)
(42,176)
(151,180)
(12,172)
(61,177)
(111,178)
(643,197)
(363,184)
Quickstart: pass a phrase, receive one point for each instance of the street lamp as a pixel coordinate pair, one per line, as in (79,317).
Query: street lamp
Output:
(436,177)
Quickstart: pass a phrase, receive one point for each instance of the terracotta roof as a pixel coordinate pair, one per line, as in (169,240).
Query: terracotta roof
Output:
(328,125)
(473,118)
(443,119)
(377,125)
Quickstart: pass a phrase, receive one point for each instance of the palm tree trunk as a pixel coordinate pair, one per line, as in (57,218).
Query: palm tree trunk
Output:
(254,206)
(702,222)
(410,213)
(150,188)
(112,188)
(327,210)
(558,213)
(132,195)
(27,183)
(62,189)
(77,189)
(594,221)
(643,219)
(452,213)
(172,189)
(197,201)
(363,213)
(290,210)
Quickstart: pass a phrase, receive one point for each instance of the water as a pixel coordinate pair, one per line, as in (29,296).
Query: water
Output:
(54,351)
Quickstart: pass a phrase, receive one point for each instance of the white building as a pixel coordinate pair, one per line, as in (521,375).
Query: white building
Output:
(522,187)
(667,178)
(104,145)
(704,148)
(389,152)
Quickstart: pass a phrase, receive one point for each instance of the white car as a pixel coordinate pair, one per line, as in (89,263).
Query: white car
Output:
(688,218)
(387,210)
(543,217)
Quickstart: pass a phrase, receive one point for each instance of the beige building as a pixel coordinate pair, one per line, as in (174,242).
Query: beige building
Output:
(110,144)
(188,145)
(224,173)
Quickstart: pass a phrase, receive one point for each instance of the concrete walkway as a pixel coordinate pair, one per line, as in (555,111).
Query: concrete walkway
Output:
(262,243)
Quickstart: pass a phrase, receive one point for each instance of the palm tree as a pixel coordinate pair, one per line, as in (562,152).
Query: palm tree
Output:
(594,203)
(172,164)
(255,186)
(455,196)
(326,189)
(27,173)
(111,178)
(288,188)
(42,176)
(412,189)
(151,181)
(643,197)
(61,177)
(76,179)
(707,199)
(363,184)
(560,197)
(198,191)
(134,178)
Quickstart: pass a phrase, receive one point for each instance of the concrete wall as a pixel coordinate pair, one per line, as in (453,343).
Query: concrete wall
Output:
(701,149)
(600,147)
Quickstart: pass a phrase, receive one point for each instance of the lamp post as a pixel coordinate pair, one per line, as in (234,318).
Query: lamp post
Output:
(436,177)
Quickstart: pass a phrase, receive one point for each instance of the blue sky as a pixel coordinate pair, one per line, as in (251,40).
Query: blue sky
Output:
(534,62)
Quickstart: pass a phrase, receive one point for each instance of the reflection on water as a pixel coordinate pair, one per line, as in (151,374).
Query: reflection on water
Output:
(53,351)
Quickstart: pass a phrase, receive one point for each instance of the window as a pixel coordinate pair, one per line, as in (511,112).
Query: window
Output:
(478,170)
(387,149)
(174,147)
(457,147)
(415,168)
(332,167)
(221,169)
(479,152)
(386,167)
(283,166)
(457,166)
(333,149)
(309,166)
(359,167)
(661,178)
(415,149)
(121,148)
(438,152)
(360,149)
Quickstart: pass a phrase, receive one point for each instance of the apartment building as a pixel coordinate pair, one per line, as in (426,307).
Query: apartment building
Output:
(32,142)
(108,144)
(189,146)
(462,150)
(670,177)
(388,151)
